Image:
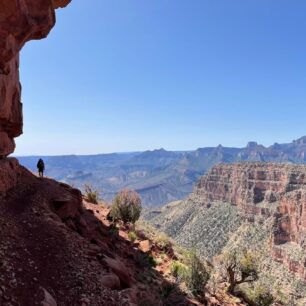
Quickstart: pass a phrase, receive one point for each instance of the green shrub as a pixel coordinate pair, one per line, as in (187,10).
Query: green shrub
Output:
(132,236)
(197,276)
(178,270)
(126,206)
(238,267)
(194,274)
(91,195)
(260,296)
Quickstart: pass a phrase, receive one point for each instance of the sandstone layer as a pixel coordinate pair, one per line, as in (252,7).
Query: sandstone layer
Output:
(20,21)
(250,183)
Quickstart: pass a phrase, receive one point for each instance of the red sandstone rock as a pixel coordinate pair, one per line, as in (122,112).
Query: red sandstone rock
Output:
(250,183)
(120,270)
(145,246)
(20,21)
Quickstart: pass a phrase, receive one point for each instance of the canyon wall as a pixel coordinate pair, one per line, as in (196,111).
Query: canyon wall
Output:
(250,183)
(266,190)
(20,21)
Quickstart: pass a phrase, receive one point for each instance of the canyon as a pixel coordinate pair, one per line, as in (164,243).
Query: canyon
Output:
(159,176)
(59,249)
(231,203)
(56,248)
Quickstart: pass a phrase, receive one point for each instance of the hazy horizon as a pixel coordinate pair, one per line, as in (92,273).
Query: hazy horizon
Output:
(140,76)
(153,149)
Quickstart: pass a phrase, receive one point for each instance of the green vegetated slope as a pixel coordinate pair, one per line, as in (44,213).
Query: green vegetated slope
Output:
(193,225)
(285,285)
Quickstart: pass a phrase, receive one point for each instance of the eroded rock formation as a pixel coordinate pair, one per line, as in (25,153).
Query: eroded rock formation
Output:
(20,21)
(292,218)
(250,183)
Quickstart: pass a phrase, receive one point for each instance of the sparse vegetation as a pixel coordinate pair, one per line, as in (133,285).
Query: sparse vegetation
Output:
(238,268)
(194,273)
(197,275)
(178,270)
(132,236)
(163,241)
(192,225)
(126,206)
(91,195)
(260,295)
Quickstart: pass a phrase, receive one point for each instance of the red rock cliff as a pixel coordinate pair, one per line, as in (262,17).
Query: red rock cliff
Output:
(20,21)
(250,183)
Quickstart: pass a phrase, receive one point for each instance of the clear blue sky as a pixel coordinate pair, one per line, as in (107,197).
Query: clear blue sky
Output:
(180,74)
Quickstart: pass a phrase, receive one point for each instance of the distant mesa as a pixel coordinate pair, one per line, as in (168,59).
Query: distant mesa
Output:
(252,144)
(300,141)
(168,174)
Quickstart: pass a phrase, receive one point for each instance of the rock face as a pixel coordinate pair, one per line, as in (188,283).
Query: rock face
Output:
(250,183)
(291,219)
(20,21)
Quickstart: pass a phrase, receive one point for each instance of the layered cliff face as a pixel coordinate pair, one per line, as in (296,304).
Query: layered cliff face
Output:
(250,183)
(20,21)
(254,187)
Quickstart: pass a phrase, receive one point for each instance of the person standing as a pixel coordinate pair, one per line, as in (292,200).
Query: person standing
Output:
(41,168)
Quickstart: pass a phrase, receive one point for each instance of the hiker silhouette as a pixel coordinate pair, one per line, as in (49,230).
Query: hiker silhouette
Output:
(41,168)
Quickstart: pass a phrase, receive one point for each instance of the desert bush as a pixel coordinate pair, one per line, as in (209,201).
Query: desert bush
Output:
(132,236)
(197,275)
(91,195)
(259,295)
(238,268)
(178,270)
(163,241)
(126,206)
